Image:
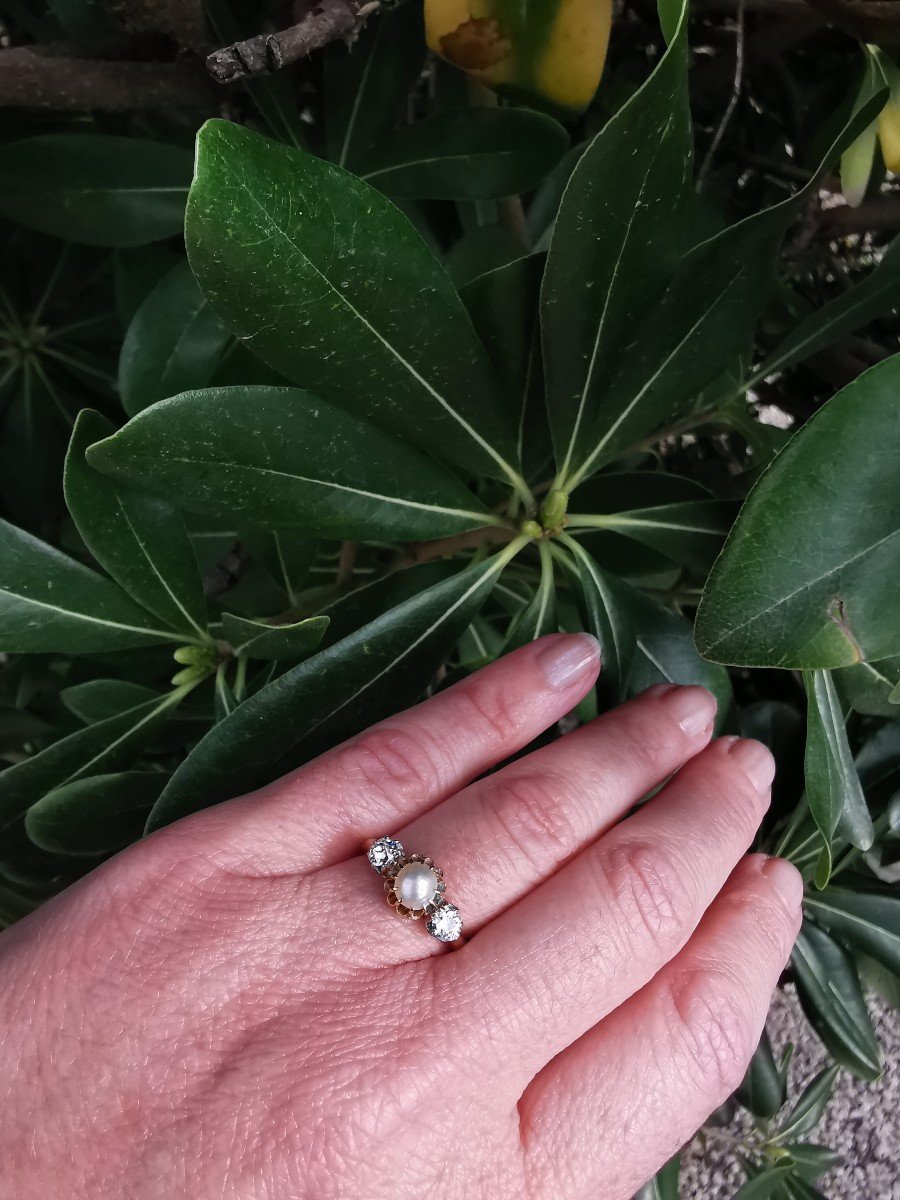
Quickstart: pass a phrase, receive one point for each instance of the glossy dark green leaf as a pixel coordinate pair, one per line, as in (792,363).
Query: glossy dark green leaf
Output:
(879,979)
(807,575)
(100,748)
(664,1184)
(378,670)
(690,532)
(19,727)
(278,457)
(51,604)
(868,686)
(139,538)
(762,1089)
(809,1108)
(705,318)
(286,557)
(364,604)
(95,815)
(467,154)
(97,188)
(481,249)
(641,642)
(329,283)
(878,293)
(287,642)
(764,1185)
(866,920)
(810,1160)
(831,996)
(365,84)
(618,235)
(173,344)
(503,305)
(833,789)
(99,699)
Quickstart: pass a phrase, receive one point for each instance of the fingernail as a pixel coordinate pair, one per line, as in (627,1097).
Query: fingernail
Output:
(694,708)
(755,760)
(786,880)
(569,660)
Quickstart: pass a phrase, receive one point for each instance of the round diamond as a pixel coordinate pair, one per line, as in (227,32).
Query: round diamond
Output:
(386,854)
(445,923)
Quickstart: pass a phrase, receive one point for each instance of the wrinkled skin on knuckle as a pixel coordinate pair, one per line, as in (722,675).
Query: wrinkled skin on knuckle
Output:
(711,1033)
(650,890)
(529,814)
(394,764)
(483,707)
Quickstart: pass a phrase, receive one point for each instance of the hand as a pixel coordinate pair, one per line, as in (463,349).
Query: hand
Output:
(231,1010)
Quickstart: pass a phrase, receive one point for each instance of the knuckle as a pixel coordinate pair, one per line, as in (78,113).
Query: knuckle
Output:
(648,741)
(709,1025)
(392,762)
(532,815)
(484,706)
(734,797)
(649,892)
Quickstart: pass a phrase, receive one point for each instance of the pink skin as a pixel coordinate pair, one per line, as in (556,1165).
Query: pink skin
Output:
(231,1010)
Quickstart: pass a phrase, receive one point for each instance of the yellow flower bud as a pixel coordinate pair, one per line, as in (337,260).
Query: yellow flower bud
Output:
(551,51)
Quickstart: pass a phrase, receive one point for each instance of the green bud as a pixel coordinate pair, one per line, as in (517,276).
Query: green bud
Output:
(553,510)
(189,675)
(190,656)
(531,529)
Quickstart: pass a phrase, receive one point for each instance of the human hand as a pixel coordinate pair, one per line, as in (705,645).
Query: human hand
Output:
(229,1009)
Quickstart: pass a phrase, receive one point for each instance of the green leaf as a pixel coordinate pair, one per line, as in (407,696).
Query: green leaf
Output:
(503,305)
(173,344)
(13,906)
(641,642)
(103,747)
(331,285)
(365,85)
(664,1184)
(833,789)
(140,539)
(51,604)
(99,699)
(806,578)
(225,699)
(96,188)
(810,1161)
(826,326)
(538,617)
(868,687)
(376,671)
(705,317)
(364,604)
(810,1106)
(690,532)
(467,154)
(879,979)
(95,815)
(831,996)
(764,1185)
(619,233)
(286,557)
(762,1089)
(281,458)
(866,920)
(287,642)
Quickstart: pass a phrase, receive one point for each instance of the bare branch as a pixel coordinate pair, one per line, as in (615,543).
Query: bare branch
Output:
(31,79)
(327,21)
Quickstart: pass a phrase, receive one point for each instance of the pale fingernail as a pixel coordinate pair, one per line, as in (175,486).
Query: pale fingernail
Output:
(755,760)
(694,708)
(567,661)
(786,880)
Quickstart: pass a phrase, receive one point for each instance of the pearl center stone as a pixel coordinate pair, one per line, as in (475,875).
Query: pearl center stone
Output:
(415,885)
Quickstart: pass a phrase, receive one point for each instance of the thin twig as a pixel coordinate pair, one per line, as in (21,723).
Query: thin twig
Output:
(267,52)
(736,86)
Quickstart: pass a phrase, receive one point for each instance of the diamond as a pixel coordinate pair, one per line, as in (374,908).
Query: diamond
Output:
(386,854)
(445,923)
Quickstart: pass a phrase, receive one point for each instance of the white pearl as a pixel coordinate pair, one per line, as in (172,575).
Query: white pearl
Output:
(415,885)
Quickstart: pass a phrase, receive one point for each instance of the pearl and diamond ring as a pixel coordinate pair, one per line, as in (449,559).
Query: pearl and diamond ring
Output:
(415,888)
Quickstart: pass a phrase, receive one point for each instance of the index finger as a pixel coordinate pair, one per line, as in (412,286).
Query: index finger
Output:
(376,782)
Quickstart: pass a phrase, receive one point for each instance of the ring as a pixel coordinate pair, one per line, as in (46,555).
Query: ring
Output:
(415,888)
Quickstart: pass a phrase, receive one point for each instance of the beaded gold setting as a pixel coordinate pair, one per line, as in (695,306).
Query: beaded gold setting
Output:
(414,887)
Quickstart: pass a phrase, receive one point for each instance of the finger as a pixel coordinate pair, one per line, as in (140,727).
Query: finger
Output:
(609,1111)
(376,782)
(503,835)
(587,939)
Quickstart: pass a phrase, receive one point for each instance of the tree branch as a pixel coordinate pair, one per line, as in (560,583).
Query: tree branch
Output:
(327,21)
(880,214)
(31,79)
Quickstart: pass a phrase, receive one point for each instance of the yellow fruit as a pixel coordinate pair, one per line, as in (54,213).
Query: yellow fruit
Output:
(551,51)
(889,135)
